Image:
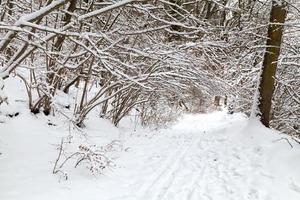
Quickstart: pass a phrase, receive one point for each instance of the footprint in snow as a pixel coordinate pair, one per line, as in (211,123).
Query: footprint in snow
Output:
(295,187)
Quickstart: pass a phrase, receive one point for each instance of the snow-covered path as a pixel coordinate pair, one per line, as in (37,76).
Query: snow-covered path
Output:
(193,164)
(202,157)
(205,157)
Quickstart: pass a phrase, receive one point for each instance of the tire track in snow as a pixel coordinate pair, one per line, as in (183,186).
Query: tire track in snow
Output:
(160,186)
(195,167)
(197,147)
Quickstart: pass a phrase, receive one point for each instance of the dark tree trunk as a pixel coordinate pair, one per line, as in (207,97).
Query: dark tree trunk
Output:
(266,87)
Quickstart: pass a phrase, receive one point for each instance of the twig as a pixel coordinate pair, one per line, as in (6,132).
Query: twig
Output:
(296,140)
(284,139)
(58,157)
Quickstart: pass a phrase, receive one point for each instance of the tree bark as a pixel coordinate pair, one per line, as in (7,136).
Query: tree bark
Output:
(275,32)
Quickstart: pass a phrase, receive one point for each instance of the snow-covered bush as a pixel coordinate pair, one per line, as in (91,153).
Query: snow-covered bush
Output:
(92,157)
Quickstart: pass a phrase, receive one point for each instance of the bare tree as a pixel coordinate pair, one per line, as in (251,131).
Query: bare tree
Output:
(266,86)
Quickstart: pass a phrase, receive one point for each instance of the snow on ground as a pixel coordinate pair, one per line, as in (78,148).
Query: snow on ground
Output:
(201,157)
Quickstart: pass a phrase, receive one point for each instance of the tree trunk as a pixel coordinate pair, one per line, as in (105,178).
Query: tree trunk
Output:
(266,87)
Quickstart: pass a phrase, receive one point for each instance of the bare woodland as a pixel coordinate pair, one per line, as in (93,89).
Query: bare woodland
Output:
(154,59)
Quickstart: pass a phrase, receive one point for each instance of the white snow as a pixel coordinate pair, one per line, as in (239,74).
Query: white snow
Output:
(205,156)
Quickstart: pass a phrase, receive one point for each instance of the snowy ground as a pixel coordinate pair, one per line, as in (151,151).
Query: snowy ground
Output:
(213,156)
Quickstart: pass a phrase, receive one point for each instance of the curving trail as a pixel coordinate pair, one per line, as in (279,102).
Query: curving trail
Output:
(198,159)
